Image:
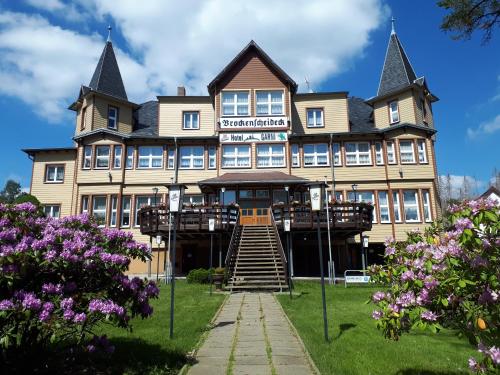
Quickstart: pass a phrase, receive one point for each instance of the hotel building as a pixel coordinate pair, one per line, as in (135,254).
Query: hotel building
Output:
(255,141)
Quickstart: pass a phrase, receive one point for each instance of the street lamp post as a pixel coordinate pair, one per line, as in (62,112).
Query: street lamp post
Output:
(331,274)
(223,190)
(176,195)
(155,192)
(316,191)
(211,228)
(287,227)
(355,188)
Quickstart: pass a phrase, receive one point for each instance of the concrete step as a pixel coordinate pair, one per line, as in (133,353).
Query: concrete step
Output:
(255,287)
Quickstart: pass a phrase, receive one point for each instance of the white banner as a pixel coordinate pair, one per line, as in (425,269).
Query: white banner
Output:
(315,194)
(253,122)
(248,137)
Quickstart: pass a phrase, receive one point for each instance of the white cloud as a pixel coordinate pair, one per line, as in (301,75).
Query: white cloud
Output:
(485,128)
(44,65)
(175,43)
(459,185)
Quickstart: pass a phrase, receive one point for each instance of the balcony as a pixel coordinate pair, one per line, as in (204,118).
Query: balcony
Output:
(345,219)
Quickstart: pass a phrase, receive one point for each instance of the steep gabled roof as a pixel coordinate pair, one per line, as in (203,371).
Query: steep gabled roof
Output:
(107,78)
(264,56)
(360,115)
(397,71)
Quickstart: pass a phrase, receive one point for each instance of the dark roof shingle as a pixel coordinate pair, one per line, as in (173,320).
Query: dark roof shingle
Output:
(107,78)
(146,119)
(360,115)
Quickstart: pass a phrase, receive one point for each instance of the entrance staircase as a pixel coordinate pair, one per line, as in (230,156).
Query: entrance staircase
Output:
(257,261)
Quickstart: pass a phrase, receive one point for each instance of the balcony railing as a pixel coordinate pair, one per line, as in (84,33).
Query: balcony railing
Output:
(155,220)
(343,217)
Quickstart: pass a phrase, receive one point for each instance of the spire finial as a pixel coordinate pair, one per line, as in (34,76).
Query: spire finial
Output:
(393,21)
(109,33)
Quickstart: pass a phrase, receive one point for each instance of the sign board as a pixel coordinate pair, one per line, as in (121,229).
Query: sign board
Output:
(158,239)
(211,224)
(253,122)
(247,137)
(315,193)
(357,279)
(174,195)
(287,225)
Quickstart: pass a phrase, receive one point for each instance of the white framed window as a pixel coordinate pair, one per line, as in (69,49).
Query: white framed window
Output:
(141,202)
(427,205)
(235,103)
(269,102)
(52,210)
(171,158)
(236,156)
(99,209)
(125,212)
(191,120)
(295,155)
(358,153)
(379,153)
(193,199)
(315,118)
(383,204)
(102,157)
(410,204)
(85,204)
(406,152)
(192,157)
(316,155)
(114,208)
(212,157)
(271,156)
(365,197)
(391,154)
(336,154)
(130,158)
(112,117)
(422,151)
(394,111)
(117,158)
(87,157)
(397,206)
(54,173)
(150,157)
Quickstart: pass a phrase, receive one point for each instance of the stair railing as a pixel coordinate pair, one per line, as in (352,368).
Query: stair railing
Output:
(280,246)
(233,244)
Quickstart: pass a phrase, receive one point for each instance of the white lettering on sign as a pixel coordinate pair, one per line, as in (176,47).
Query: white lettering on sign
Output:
(253,137)
(253,122)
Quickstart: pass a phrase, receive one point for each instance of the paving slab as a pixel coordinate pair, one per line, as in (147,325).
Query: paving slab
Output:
(248,327)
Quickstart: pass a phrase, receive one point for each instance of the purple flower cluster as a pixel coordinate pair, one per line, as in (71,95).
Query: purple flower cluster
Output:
(6,304)
(30,302)
(50,288)
(47,309)
(429,316)
(106,307)
(115,259)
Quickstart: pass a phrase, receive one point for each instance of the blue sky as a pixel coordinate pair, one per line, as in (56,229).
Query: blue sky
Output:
(49,47)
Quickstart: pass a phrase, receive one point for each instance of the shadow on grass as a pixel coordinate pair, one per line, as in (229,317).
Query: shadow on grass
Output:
(132,356)
(414,371)
(345,327)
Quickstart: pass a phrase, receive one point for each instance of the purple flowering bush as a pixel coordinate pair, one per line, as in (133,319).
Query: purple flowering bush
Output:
(446,277)
(61,278)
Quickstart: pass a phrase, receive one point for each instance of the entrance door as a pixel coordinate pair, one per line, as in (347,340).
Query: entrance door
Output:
(255,212)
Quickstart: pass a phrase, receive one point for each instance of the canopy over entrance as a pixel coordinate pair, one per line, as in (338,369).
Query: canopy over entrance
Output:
(267,179)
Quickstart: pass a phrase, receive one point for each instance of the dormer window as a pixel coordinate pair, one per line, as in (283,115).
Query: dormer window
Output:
(112,117)
(315,118)
(191,120)
(235,103)
(269,102)
(394,111)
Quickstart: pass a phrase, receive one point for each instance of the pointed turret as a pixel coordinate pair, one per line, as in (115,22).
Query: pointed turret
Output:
(107,78)
(397,72)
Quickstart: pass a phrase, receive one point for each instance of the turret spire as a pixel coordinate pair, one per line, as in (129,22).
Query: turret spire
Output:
(109,33)
(393,22)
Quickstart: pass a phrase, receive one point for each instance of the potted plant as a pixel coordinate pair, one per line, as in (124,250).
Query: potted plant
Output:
(218,277)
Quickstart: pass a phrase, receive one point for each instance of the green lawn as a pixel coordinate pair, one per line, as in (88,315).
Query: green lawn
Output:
(356,345)
(148,349)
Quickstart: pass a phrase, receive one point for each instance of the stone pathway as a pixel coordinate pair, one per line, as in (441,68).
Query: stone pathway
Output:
(251,336)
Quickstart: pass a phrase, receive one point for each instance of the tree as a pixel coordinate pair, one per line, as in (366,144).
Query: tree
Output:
(468,16)
(10,192)
(25,197)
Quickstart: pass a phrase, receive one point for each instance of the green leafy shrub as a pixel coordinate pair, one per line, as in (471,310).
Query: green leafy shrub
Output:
(198,276)
(23,198)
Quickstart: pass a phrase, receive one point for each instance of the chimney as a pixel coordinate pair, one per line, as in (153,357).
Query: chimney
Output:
(181,91)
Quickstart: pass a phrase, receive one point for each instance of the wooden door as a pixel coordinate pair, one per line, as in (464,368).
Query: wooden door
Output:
(255,216)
